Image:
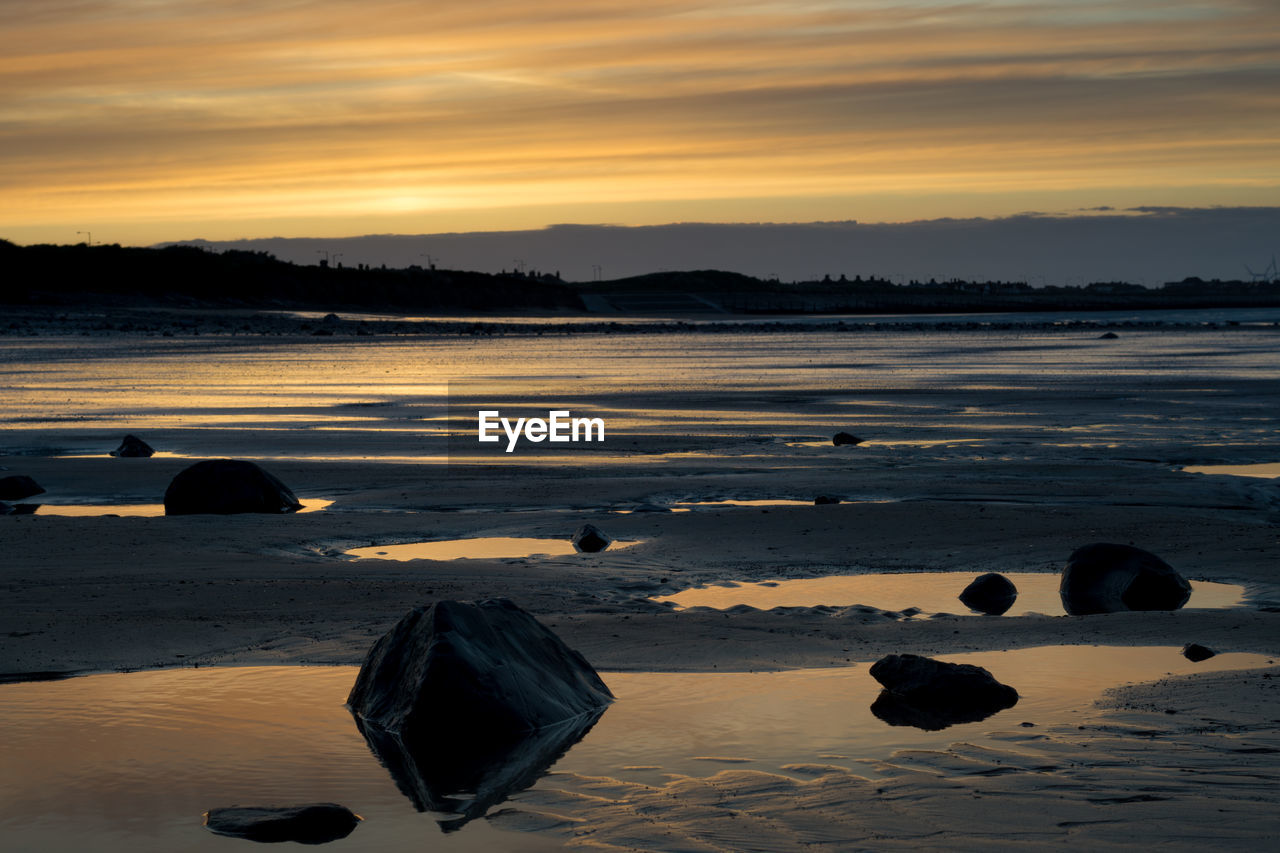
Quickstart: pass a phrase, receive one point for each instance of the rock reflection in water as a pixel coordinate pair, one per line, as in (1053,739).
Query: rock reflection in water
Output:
(468,776)
(897,711)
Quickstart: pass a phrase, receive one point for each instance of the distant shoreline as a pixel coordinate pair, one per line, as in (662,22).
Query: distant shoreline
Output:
(173,322)
(115,278)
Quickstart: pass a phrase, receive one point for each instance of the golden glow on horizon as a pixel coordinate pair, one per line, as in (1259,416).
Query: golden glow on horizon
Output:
(146,120)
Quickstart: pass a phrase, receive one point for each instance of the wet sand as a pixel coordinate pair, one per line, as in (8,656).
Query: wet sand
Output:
(87,594)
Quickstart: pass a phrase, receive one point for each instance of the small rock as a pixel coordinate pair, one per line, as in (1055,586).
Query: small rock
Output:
(1108,336)
(1195,652)
(331,319)
(314,823)
(842,438)
(992,593)
(133,447)
(17,487)
(590,540)
(823,500)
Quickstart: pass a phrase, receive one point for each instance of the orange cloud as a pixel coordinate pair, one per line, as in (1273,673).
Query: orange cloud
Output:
(146,117)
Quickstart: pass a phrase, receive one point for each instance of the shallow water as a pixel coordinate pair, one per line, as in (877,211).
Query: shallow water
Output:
(88,510)
(745,502)
(387,397)
(122,762)
(1266,470)
(930,592)
(478,548)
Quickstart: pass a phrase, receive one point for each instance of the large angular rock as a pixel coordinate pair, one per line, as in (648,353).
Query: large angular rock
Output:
(314,823)
(1105,578)
(133,447)
(933,694)
(845,438)
(17,487)
(227,486)
(590,539)
(485,671)
(992,593)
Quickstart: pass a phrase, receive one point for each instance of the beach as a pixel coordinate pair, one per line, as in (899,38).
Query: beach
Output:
(983,449)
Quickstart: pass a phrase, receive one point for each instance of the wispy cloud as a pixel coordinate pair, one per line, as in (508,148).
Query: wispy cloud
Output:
(224,110)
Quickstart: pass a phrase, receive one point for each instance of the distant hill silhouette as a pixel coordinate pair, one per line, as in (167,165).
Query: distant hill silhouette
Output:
(184,275)
(1147,246)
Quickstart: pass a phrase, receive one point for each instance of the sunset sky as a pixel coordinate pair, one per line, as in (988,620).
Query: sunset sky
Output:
(150,120)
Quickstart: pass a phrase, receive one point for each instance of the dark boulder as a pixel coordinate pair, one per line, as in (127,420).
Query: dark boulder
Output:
(1195,652)
(991,593)
(226,486)
(133,447)
(315,823)
(590,540)
(1103,578)
(842,438)
(825,500)
(484,671)
(17,487)
(1108,336)
(936,692)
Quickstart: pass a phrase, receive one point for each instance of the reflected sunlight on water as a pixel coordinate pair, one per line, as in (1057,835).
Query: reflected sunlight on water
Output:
(479,548)
(738,383)
(1266,470)
(931,592)
(120,762)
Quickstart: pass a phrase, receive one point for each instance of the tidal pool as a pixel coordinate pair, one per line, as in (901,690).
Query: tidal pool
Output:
(1264,470)
(746,502)
(931,592)
(122,762)
(143,510)
(479,548)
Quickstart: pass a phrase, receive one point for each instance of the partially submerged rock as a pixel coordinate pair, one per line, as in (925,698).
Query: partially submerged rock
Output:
(842,438)
(590,539)
(227,486)
(825,500)
(314,823)
(1105,578)
(992,593)
(486,670)
(1108,336)
(17,487)
(134,447)
(933,694)
(1195,652)
(466,703)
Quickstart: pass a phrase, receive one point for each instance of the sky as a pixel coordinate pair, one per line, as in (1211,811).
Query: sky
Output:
(140,121)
